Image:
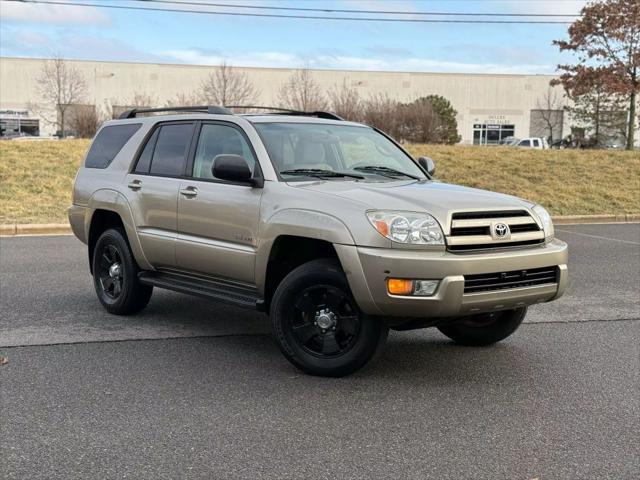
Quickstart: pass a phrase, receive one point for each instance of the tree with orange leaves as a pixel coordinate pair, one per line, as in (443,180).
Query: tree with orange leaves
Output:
(606,41)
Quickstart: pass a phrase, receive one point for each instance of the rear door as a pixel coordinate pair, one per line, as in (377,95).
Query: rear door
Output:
(217,219)
(153,190)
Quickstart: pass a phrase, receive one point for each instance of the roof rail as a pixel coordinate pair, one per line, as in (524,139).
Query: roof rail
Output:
(202,109)
(287,111)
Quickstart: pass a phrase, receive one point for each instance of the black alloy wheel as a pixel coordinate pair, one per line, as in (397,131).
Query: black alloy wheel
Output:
(324,321)
(111,271)
(318,324)
(115,275)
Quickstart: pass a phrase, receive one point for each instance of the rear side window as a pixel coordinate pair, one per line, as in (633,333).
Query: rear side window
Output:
(171,148)
(144,162)
(108,143)
(525,143)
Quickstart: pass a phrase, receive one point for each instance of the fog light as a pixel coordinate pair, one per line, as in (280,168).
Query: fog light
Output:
(425,288)
(418,288)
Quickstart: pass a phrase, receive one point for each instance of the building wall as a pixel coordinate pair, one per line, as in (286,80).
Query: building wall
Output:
(478,98)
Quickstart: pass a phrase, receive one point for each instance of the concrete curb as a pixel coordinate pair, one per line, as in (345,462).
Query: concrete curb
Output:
(10,230)
(578,219)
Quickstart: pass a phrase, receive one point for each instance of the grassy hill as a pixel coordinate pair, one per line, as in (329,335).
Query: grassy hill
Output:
(36,177)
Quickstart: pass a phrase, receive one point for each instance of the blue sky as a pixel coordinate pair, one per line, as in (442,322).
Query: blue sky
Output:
(108,34)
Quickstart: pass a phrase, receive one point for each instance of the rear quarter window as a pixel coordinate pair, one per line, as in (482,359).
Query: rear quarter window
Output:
(108,143)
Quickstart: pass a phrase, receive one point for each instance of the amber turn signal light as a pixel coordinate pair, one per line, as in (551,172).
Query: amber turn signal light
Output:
(398,286)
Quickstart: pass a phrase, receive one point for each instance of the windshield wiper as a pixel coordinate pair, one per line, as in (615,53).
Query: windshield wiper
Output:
(390,172)
(319,172)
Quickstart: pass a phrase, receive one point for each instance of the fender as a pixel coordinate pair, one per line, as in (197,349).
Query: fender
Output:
(298,223)
(112,200)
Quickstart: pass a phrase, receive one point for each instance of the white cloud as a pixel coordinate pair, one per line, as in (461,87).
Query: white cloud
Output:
(287,60)
(52,14)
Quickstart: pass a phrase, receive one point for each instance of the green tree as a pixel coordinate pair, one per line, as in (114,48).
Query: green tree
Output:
(430,119)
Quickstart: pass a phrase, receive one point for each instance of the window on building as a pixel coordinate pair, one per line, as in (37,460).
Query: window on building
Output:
(489,134)
(18,123)
(108,143)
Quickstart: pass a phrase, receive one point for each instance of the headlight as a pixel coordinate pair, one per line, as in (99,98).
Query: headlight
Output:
(407,227)
(545,218)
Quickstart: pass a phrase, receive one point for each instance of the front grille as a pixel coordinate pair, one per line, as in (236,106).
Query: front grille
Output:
(471,231)
(486,282)
(493,214)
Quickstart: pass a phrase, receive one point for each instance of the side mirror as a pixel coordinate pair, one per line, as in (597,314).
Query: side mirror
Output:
(233,168)
(428,164)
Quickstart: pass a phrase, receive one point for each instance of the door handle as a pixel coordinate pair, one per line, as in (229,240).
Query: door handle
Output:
(189,191)
(135,185)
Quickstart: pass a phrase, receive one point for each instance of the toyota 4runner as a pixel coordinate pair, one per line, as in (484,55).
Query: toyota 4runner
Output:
(329,226)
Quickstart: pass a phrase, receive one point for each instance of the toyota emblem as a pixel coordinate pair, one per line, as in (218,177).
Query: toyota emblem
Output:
(501,230)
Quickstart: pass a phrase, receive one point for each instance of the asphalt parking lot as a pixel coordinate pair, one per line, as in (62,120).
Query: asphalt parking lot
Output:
(194,389)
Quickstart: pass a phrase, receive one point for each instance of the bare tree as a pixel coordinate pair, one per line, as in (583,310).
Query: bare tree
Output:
(227,86)
(301,92)
(61,85)
(84,120)
(549,113)
(382,112)
(185,100)
(139,100)
(346,102)
(419,122)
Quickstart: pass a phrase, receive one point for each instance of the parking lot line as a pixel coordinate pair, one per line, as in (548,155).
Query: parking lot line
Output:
(598,236)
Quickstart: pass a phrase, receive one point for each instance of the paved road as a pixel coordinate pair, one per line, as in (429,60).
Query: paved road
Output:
(192,389)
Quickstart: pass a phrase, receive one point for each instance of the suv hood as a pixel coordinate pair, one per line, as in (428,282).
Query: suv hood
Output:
(435,198)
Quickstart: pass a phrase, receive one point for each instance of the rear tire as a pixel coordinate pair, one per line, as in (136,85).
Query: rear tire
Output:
(318,325)
(484,328)
(115,275)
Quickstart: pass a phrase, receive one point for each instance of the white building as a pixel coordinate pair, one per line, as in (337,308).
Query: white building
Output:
(489,106)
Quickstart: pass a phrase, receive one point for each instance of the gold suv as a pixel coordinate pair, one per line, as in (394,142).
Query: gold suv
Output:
(329,226)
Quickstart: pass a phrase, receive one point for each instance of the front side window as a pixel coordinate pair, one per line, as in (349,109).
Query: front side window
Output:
(334,151)
(214,140)
(171,148)
(108,143)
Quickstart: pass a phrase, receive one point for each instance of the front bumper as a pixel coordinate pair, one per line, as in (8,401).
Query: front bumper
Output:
(367,271)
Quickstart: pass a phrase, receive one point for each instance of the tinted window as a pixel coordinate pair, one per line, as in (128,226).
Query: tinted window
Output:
(525,143)
(535,143)
(145,157)
(108,143)
(217,140)
(170,153)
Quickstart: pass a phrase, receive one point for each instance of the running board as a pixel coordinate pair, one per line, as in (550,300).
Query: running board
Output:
(234,294)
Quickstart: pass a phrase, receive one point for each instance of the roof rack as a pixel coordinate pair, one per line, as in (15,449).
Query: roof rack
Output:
(287,111)
(202,109)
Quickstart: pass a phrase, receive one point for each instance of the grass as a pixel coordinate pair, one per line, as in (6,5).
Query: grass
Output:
(36,177)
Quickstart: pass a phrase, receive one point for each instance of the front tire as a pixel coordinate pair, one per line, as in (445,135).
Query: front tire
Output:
(318,325)
(115,275)
(484,328)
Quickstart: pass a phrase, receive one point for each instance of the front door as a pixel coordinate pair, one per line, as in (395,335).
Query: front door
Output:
(218,220)
(153,187)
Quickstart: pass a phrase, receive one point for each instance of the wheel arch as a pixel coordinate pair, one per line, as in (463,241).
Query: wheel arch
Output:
(107,209)
(288,252)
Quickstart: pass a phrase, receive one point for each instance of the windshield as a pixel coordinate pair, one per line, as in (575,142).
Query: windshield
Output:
(300,150)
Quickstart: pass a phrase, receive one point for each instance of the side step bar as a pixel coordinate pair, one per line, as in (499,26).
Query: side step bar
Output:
(239,295)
